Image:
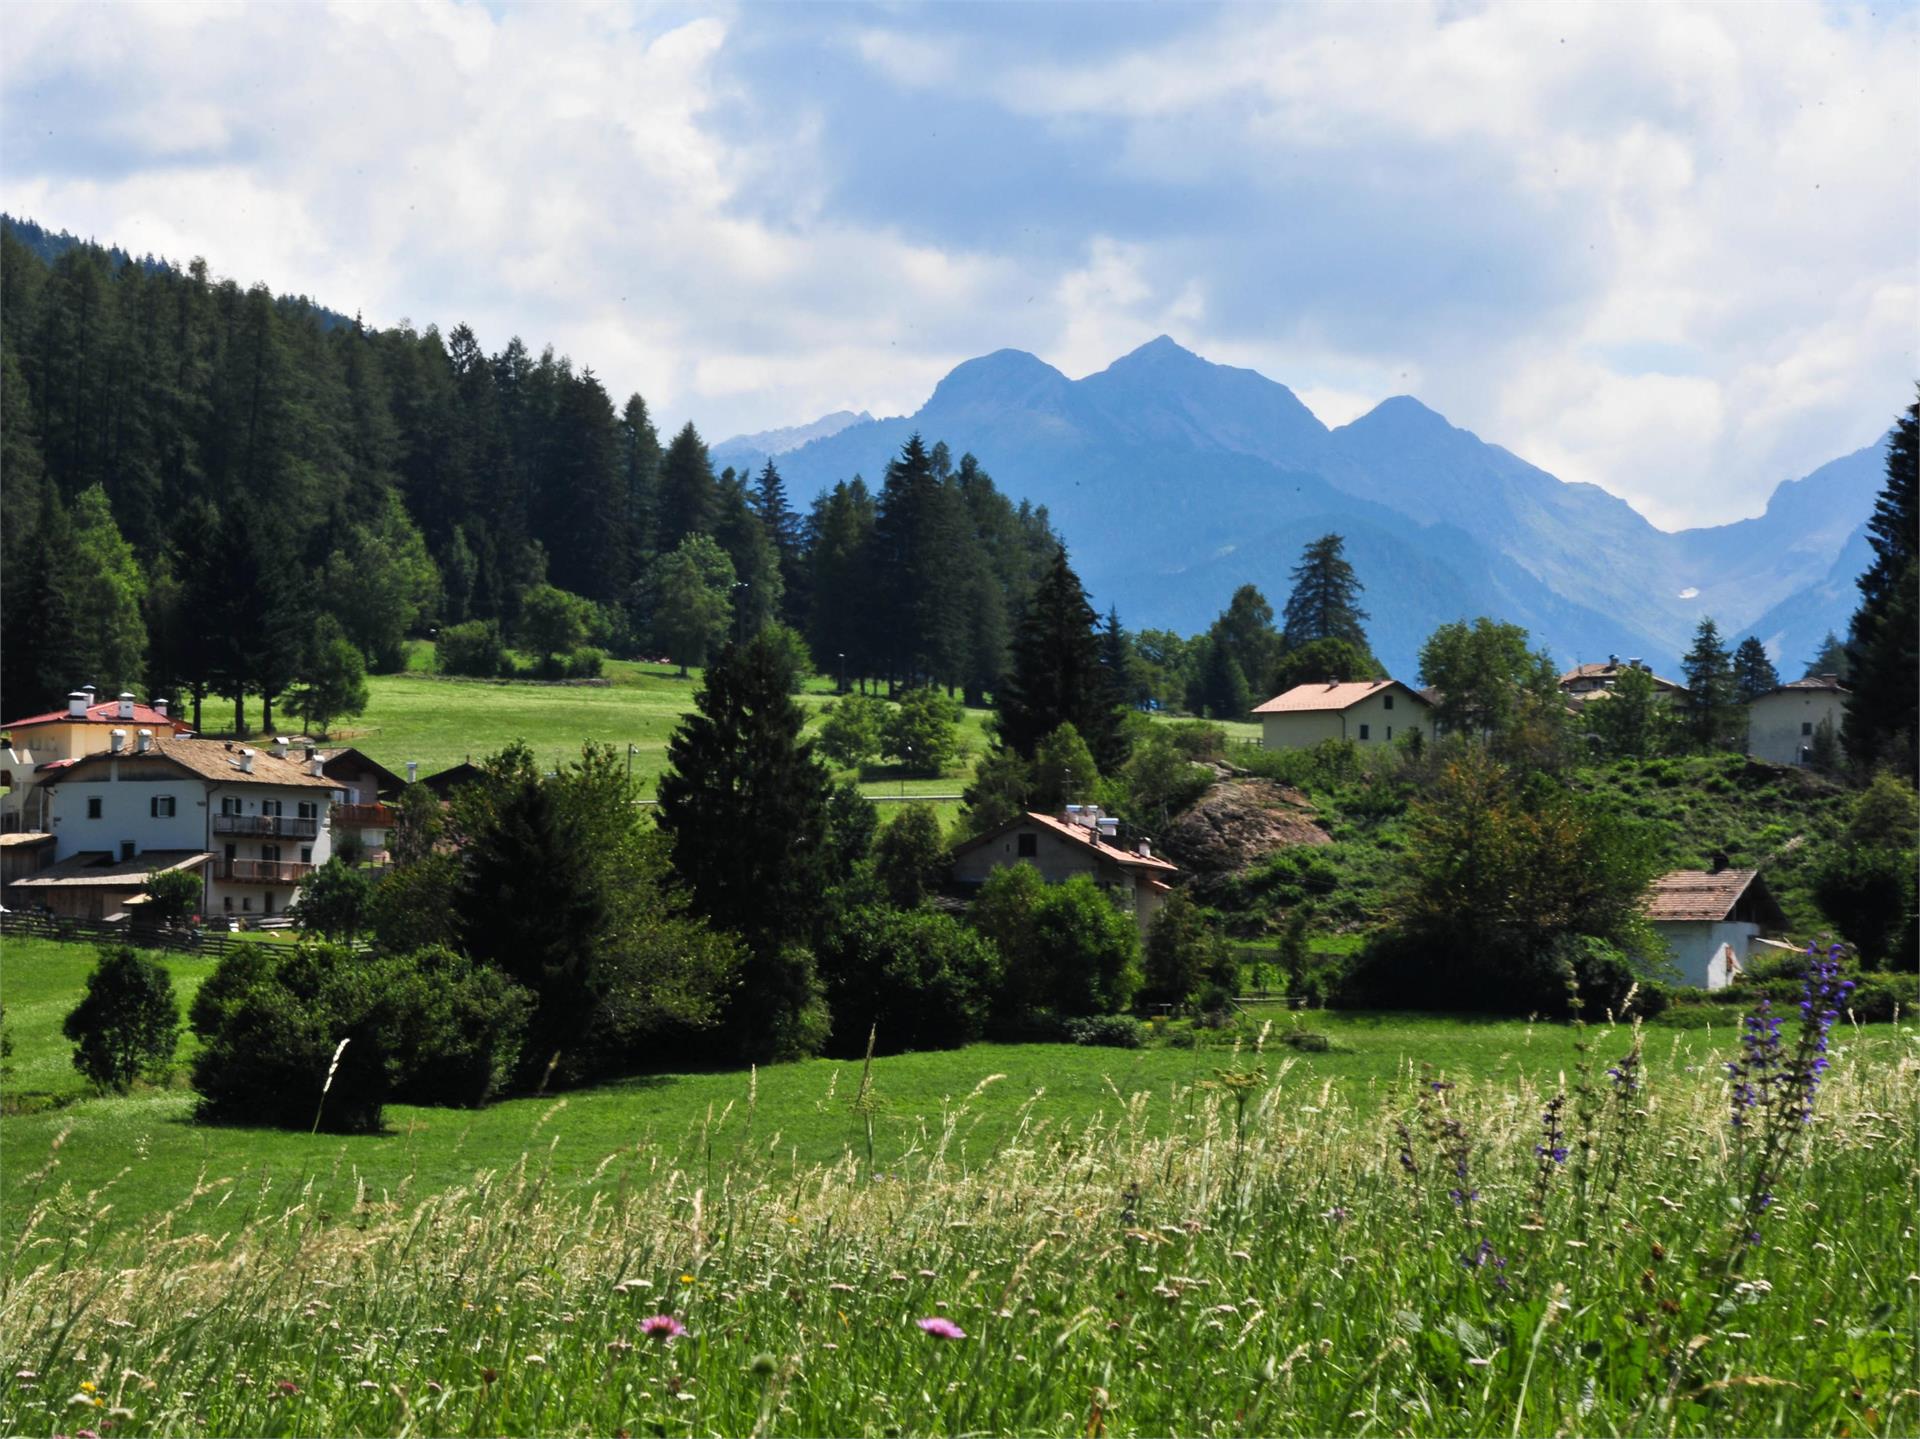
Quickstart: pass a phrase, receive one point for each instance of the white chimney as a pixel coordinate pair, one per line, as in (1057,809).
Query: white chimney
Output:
(160,707)
(77,705)
(316,767)
(1146,849)
(117,741)
(413,770)
(246,761)
(279,746)
(126,704)
(143,742)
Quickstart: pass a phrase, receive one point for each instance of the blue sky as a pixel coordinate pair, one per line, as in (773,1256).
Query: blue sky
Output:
(1669,250)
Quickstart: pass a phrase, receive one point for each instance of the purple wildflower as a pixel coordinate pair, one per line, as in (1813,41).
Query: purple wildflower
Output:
(942,1328)
(661,1328)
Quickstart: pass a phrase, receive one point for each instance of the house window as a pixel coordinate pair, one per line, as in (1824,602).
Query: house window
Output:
(1389,731)
(306,854)
(1363,732)
(270,806)
(160,806)
(6,779)
(1386,702)
(246,902)
(266,902)
(126,850)
(229,804)
(309,810)
(1806,727)
(270,853)
(93,806)
(228,903)
(1029,846)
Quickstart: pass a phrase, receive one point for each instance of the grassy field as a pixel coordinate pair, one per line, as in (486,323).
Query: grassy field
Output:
(1044,1241)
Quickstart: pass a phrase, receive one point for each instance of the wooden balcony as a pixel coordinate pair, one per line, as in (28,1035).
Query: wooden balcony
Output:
(362,816)
(262,871)
(266,826)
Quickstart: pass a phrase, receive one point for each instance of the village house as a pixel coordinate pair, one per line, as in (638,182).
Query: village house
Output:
(1711,920)
(364,814)
(253,825)
(1586,682)
(1083,842)
(40,746)
(1783,723)
(1368,712)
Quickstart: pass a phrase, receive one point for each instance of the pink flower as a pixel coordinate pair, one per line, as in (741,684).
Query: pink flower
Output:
(662,1327)
(943,1328)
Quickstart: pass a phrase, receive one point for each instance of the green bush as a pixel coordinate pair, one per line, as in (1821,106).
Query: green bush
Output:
(475,648)
(172,894)
(922,978)
(1108,1031)
(1068,948)
(127,1024)
(316,1033)
(585,663)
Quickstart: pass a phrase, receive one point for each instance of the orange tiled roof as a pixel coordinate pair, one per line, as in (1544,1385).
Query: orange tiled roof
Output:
(1338,696)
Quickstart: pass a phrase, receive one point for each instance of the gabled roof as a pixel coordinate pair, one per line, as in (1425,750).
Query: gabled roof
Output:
(212,759)
(106,712)
(91,868)
(1692,895)
(1078,834)
(1336,696)
(453,776)
(1613,669)
(350,756)
(1812,684)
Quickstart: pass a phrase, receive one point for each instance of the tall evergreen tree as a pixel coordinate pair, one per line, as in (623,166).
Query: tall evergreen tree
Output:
(688,490)
(842,627)
(1709,710)
(1323,604)
(1829,659)
(640,461)
(1883,642)
(1056,677)
(1246,629)
(1753,673)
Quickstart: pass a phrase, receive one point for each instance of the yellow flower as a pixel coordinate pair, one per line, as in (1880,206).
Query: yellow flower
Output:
(686,1279)
(87,1386)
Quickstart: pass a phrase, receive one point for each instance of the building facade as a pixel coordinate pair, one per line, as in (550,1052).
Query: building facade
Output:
(1710,921)
(1368,712)
(1083,842)
(38,746)
(1783,724)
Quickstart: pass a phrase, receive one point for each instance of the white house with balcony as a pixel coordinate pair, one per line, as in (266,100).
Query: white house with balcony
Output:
(255,824)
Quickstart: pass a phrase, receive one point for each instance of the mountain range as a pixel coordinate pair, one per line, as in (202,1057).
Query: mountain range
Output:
(1175,480)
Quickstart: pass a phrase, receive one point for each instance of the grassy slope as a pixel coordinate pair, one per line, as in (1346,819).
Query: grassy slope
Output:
(800,1110)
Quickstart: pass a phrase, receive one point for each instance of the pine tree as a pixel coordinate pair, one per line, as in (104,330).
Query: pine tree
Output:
(784,529)
(1056,676)
(688,490)
(640,462)
(1883,641)
(1753,673)
(1829,659)
(759,583)
(1323,604)
(1708,711)
(1223,684)
(747,806)
(106,589)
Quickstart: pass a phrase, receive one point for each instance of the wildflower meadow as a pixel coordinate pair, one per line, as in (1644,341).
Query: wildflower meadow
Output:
(1658,1242)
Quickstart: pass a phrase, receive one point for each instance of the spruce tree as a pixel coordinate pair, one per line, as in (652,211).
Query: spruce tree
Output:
(688,490)
(1753,673)
(1708,710)
(1323,604)
(1883,642)
(1056,676)
(1829,659)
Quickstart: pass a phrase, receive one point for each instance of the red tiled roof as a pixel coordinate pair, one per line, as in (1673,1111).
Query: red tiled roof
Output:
(219,761)
(1340,696)
(1079,834)
(105,712)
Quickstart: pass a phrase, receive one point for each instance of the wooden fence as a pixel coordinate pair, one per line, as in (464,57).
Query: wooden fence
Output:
(216,942)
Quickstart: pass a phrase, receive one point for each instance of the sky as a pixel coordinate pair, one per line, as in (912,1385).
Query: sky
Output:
(1670,250)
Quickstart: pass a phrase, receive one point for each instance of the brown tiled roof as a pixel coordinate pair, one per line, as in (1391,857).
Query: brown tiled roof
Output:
(1697,894)
(1079,834)
(217,760)
(25,837)
(1828,684)
(1338,696)
(1613,670)
(96,868)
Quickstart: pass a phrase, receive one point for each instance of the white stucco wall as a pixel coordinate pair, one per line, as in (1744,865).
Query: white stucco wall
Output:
(1694,947)
(1781,725)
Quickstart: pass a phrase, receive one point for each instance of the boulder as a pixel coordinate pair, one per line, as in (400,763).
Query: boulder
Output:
(1237,822)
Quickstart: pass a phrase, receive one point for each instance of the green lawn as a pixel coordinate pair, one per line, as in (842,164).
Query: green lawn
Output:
(148,1150)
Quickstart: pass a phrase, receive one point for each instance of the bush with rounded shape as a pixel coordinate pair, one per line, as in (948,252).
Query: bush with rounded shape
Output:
(335,901)
(850,731)
(1110,1031)
(127,1024)
(922,731)
(922,979)
(910,856)
(475,648)
(172,894)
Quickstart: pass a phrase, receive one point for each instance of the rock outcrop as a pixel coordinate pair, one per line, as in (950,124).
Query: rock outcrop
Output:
(1237,822)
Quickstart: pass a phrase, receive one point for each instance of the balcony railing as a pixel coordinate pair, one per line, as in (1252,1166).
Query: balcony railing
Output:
(363,816)
(262,871)
(267,826)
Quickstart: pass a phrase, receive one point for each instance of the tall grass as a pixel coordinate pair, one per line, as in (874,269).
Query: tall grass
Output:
(1263,1257)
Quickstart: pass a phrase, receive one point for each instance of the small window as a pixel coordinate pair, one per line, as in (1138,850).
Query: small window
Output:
(93,806)
(270,806)
(246,902)
(160,806)
(270,853)
(309,810)
(126,850)
(1029,846)
(1806,727)
(1389,731)
(228,903)
(1363,732)
(1386,702)
(266,902)
(6,779)
(306,854)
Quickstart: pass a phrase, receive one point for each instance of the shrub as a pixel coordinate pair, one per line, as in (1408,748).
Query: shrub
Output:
(335,901)
(172,894)
(127,1024)
(923,978)
(1181,948)
(850,730)
(910,856)
(1068,948)
(474,648)
(1868,893)
(923,731)
(585,663)
(432,1026)
(1108,1031)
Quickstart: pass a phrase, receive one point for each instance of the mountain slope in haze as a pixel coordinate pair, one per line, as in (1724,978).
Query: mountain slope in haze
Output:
(750,452)
(1175,480)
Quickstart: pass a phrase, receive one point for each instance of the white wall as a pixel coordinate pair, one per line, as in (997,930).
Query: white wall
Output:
(1694,947)
(1300,729)
(1781,725)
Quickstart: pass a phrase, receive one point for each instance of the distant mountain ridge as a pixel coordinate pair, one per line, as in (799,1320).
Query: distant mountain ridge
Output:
(749,452)
(1175,480)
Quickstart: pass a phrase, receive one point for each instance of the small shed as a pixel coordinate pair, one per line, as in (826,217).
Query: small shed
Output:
(1710,920)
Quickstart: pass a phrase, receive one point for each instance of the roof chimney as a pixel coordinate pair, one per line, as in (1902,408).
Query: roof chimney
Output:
(126,704)
(143,742)
(88,690)
(1146,849)
(312,750)
(315,767)
(279,746)
(117,741)
(246,761)
(1719,861)
(77,705)
(160,708)
(413,770)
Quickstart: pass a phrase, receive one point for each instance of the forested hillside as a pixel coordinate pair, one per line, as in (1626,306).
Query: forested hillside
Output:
(207,487)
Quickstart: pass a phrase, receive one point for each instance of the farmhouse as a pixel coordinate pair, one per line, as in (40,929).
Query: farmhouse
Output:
(255,825)
(1587,682)
(1782,724)
(1367,712)
(1083,842)
(39,745)
(363,816)
(1710,920)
